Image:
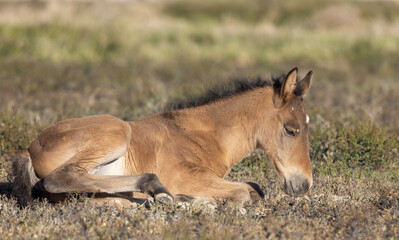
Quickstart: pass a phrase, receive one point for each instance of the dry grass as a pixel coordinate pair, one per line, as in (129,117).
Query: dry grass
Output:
(63,59)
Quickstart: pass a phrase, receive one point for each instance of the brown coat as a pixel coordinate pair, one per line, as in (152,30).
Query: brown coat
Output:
(189,150)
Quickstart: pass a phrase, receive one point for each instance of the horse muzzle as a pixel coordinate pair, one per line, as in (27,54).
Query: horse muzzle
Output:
(296,186)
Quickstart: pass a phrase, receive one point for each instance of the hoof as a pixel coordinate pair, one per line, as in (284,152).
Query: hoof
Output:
(255,192)
(163,198)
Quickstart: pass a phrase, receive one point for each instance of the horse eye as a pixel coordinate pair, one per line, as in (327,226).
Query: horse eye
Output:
(289,132)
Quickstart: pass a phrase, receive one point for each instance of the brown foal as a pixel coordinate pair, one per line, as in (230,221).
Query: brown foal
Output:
(185,152)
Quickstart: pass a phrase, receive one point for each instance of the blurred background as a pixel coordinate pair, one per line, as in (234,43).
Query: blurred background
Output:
(62,59)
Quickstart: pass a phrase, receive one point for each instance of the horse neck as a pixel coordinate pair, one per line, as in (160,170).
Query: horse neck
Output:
(236,122)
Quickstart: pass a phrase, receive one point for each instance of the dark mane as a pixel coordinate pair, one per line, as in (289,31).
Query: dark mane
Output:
(224,90)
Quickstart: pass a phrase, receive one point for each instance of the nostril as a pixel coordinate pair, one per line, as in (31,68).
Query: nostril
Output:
(291,188)
(296,186)
(288,188)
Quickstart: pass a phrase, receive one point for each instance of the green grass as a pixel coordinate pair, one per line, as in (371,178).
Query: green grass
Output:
(129,59)
(362,147)
(58,42)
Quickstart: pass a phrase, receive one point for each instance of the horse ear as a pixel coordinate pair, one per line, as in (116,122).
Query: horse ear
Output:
(289,85)
(287,89)
(304,84)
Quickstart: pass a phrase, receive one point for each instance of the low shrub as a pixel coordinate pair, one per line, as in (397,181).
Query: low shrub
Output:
(364,146)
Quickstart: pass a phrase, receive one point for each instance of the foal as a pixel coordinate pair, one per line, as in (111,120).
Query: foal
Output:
(186,151)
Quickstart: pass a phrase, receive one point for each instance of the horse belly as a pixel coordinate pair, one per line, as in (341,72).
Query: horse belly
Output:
(116,167)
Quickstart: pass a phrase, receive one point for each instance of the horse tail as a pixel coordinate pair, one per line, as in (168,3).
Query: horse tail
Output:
(24,178)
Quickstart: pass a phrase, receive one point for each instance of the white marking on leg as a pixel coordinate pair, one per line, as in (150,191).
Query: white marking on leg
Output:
(307,118)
